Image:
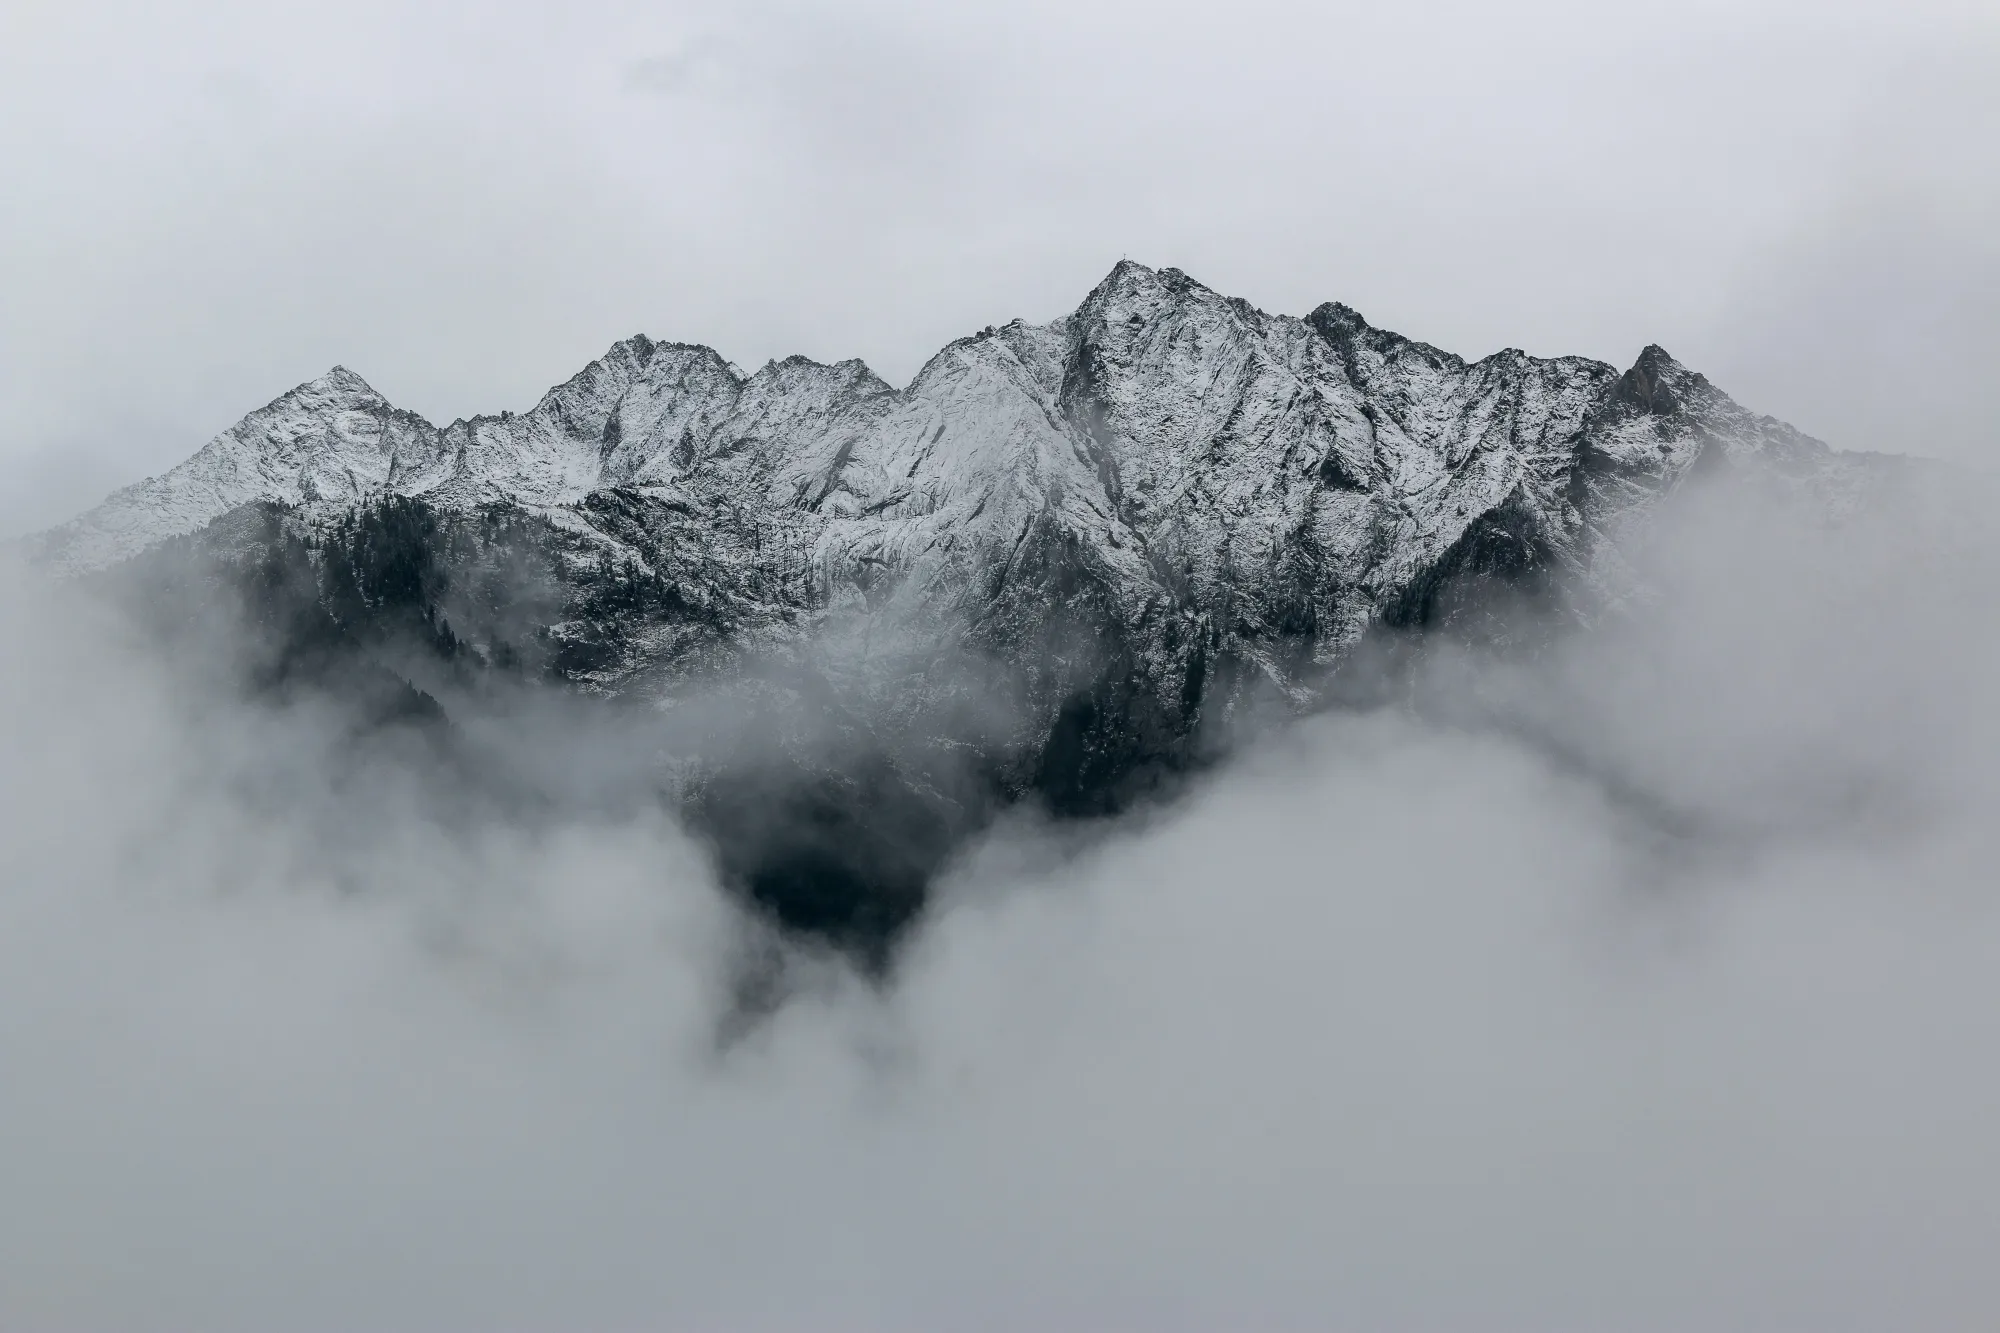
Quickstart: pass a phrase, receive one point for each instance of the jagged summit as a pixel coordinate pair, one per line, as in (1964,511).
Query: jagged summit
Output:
(1129,272)
(1649,385)
(339,379)
(1158,412)
(1338,315)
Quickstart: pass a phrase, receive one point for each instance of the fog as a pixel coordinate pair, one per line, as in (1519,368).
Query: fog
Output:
(1647,985)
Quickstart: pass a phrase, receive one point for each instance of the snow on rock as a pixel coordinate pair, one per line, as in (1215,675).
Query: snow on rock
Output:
(330,442)
(1204,475)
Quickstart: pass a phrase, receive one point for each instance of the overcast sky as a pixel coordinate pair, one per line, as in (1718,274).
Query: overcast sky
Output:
(209,202)
(1396,1025)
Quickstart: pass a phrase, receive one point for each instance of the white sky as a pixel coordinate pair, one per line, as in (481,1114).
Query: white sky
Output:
(209,202)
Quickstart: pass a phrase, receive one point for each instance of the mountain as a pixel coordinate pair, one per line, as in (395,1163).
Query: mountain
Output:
(1052,566)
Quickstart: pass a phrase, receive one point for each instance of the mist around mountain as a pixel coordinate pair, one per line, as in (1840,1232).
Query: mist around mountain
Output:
(1177,818)
(1626,971)
(839,628)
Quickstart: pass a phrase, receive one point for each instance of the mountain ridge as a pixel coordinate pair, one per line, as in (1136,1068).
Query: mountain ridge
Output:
(1063,559)
(1290,483)
(555,475)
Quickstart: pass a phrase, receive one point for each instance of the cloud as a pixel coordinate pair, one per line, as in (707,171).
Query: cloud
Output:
(671,72)
(1865,318)
(1411,1018)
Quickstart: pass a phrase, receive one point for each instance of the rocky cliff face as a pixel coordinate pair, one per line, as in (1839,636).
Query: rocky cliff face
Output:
(1048,566)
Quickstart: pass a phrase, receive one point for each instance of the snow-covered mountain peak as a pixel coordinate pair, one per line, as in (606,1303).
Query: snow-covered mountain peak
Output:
(339,381)
(1658,385)
(1132,294)
(330,441)
(1160,414)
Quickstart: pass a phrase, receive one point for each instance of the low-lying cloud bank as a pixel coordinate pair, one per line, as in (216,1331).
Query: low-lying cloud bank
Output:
(1651,984)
